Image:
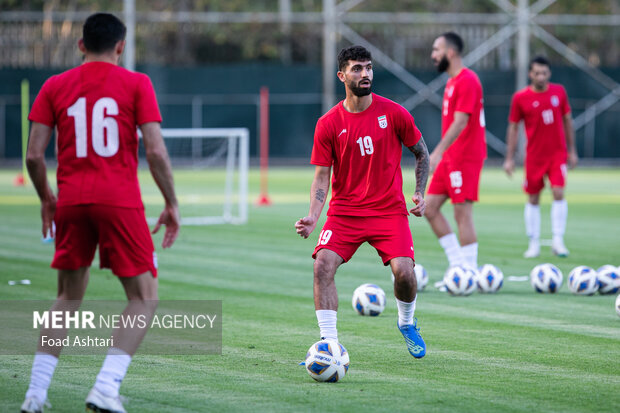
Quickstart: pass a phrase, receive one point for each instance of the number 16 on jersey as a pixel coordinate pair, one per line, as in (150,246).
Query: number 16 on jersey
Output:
(104,144)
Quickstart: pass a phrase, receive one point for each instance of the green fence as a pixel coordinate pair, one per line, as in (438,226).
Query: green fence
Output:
(227,96)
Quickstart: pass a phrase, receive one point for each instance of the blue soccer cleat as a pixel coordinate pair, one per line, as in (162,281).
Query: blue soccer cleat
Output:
(415,343)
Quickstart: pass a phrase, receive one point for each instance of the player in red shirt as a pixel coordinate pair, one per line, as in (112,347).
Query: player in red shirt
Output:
(96,108)
(544,108)
(458,158)
(361,138)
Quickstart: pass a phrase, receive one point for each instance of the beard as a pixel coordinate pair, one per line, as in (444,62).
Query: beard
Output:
(443,65)
(360,91)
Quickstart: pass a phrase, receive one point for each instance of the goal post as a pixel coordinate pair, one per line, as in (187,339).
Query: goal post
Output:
(218,193)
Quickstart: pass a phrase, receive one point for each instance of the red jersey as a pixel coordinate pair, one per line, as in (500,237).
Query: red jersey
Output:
(96,108)
(543,115)
(365,150)
(463,93)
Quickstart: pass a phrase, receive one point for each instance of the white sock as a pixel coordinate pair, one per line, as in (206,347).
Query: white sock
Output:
(43,368)
(531,214)
(559,212)
(405,312)
(452,248)
(327,323)
(112,372)
(470,254)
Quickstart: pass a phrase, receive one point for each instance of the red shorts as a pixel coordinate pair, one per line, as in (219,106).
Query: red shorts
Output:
(125,243)
(458,181)
(535,170)
(390,235)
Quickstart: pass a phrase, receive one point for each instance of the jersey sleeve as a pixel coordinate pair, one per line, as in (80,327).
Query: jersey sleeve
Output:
(466,96)
(322,154)
(565,105)
(147,109)
(42,109)
(406,128)
(515,110)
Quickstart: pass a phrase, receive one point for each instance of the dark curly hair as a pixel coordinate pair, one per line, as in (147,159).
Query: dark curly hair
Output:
(352,53)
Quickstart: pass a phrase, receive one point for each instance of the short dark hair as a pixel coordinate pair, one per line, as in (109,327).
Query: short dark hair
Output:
(539,60)
(102,31)
(352,53)
(454,41)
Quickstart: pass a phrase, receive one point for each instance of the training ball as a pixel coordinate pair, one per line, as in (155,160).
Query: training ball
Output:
(460,280)
(490,279)
(582,280)
(608,280)
(546,278)
(605,267)
(618,305)
(327,360)
(368,299)
(421,277)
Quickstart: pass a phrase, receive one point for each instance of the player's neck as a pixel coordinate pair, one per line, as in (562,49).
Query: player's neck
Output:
(111,58)
(456,66)
(356,104)
(537,90)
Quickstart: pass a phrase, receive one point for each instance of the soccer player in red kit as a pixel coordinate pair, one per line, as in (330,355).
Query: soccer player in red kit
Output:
(544,108)
(456,162)
(361,138)
(96,108)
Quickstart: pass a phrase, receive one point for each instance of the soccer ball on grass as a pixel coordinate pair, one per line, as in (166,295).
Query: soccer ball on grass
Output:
(608,280)
(327,361)
(490,279)
(582,280)
(368,299)
(546,278)
(421,277)
(460,280)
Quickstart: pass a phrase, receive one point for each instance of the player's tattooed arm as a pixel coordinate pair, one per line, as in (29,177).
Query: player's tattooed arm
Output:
(320,195)
(422,165)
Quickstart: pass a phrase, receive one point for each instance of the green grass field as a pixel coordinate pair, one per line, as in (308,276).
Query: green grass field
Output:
(516,351)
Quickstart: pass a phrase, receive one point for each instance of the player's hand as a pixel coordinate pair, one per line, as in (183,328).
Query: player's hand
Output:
(171,219)
(509,167)
(420,205)
(573,158)
(305,226)
(48,209)
(434,160)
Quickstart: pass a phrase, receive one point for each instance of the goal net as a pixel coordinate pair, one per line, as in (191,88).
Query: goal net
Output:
(210,167)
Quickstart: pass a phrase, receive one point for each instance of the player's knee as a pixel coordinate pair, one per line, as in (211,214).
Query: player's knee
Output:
(403,272)
(463,215)
(431,211)
(534,199)
(558,193)
(324,268)
(144,295)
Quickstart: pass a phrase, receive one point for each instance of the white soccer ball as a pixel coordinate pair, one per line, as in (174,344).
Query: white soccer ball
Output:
(490,279)
(546,278)
(582,280)
(460,280)
(327,360)
(608,280)
(421,277)
(605,267)
(618,305)
(368,299)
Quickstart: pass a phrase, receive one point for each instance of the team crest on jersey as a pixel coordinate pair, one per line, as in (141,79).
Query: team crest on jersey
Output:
(535,104)
(382,121)
(555,101)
